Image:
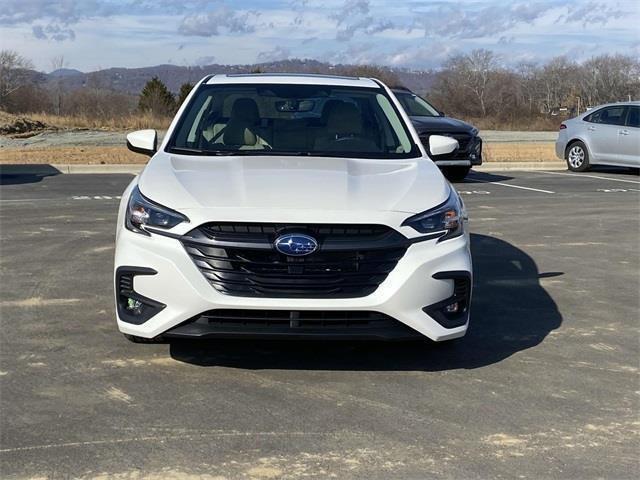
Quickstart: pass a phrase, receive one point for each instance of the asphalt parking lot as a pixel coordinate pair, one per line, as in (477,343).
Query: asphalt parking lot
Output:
(545,385)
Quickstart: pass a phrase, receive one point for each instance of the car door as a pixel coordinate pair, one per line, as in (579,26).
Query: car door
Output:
(629,137)
(602,134)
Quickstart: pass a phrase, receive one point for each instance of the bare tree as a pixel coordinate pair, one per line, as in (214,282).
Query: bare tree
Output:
(58,63)
(474,73)
(13,74)
(382,74)
(558,81)
(609,78)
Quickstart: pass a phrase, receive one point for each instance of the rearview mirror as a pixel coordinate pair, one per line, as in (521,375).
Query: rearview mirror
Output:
(143,141)
(441,145)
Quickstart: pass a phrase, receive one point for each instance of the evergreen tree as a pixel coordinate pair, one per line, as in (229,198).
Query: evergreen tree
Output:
(185,89)
(156,98)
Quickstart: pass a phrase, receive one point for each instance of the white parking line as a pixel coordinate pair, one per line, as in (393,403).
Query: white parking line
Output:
(589,176)
(28,200)
(511,186)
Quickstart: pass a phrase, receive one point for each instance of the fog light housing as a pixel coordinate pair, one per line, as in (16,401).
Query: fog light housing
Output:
(453,311)
(452,307)
(133,307)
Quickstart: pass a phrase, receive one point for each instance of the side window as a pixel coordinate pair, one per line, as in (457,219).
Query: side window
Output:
(594,117)
(633,117)
(613,115)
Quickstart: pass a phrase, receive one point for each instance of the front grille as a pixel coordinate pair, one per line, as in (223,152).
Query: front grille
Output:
(246,323)
(296,319)
(239,259)
(243,230)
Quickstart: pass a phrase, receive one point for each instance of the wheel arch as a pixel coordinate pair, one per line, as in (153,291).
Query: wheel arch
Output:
(574,140)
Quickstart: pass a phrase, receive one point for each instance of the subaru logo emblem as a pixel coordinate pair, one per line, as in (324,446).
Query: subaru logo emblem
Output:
(296,244)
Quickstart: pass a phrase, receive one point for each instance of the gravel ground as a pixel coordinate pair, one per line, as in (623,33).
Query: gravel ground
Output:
(67,138)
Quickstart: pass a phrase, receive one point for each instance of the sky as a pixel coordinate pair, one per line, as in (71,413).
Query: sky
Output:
(416,34)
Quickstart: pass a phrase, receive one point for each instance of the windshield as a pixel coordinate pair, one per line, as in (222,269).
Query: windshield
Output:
(277,119)
(416,106)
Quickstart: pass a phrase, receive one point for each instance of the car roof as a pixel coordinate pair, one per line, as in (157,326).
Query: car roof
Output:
(613,104)
(290,78)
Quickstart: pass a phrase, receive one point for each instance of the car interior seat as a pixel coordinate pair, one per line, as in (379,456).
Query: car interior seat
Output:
(344,130)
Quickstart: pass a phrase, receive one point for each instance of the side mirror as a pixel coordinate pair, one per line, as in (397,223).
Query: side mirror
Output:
(442,114)
(143,141)
(441,145)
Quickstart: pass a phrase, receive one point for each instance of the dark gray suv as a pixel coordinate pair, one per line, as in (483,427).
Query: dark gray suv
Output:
(428,121)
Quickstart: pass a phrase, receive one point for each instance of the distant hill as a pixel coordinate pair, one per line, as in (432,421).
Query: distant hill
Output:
(132,80)
(65,72)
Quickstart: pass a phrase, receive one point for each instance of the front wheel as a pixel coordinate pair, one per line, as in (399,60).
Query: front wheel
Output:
(455,174)
(577,157)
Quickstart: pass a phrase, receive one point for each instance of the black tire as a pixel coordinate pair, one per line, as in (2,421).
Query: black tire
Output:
(134,339)
(455,174)
(577,157)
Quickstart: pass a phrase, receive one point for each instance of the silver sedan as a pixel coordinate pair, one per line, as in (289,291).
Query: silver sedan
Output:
(605,135)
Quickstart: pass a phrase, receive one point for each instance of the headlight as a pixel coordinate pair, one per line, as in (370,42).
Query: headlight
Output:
(142,212)
(445,221)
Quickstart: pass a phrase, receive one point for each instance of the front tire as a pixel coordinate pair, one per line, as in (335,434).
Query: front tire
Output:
(577,157)
(455,174)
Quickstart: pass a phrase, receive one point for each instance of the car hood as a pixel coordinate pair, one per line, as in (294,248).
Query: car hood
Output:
(293,183)
(440,124)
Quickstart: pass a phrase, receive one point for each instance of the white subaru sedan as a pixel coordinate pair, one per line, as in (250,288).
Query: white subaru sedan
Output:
(291,206)
(605,135)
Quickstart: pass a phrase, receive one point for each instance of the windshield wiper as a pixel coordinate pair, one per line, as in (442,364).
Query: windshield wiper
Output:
(245,153)
(278,153)
(198,151)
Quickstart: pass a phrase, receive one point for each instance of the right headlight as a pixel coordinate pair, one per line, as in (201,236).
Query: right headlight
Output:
(444,221)
(143,212)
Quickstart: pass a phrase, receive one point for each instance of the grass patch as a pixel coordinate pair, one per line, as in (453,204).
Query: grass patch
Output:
(72,155)
(520,152)
(137,121)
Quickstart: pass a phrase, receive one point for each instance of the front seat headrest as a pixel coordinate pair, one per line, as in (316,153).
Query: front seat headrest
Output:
(244,110)
(344,119)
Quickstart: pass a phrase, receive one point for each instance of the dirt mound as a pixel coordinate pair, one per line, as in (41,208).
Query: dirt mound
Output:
(18,126)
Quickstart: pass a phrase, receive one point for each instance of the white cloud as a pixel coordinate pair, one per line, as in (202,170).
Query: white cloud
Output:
(53,32)
(221,20)
(277,53)
(403,33)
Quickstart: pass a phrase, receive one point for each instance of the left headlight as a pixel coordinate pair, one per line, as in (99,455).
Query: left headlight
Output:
(444,221)
(143,212)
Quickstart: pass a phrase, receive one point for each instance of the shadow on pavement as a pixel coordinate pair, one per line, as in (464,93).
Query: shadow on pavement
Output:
(614,170)
(15,174)
(485,177)
(510,312)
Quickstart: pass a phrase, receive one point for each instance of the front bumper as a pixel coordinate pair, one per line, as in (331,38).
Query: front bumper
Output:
(186,296)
